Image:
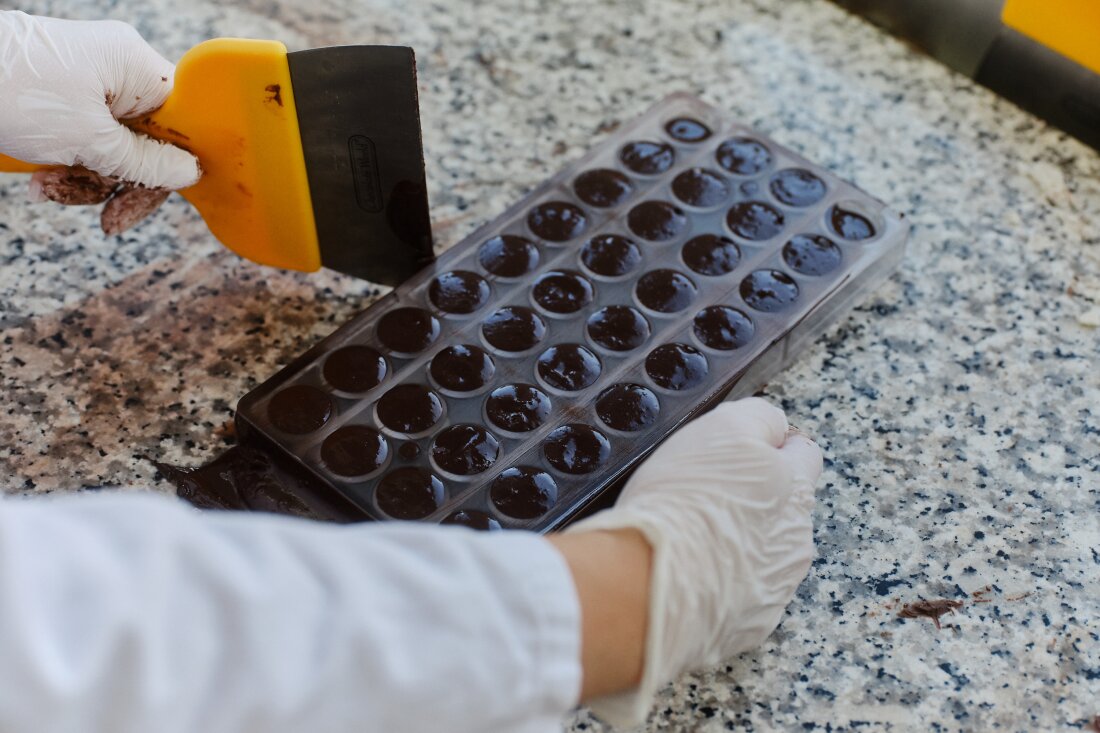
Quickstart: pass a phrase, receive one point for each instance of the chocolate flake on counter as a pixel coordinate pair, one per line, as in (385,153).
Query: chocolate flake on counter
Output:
(929,609)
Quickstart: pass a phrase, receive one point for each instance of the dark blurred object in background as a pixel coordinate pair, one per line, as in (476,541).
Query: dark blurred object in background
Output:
(1042,55)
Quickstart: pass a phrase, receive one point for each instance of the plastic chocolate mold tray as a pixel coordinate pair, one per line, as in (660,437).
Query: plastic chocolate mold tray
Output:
(684,260)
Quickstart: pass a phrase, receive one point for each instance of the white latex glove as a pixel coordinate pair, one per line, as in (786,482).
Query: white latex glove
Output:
(64,85)
(725,504)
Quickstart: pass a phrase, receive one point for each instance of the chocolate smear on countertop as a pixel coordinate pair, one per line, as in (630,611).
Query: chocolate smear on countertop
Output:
(929,609)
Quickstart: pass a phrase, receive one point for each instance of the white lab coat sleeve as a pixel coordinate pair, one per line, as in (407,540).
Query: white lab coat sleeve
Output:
(131,613)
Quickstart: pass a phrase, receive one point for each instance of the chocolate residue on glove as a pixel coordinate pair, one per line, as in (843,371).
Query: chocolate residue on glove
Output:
(74,185)
(929,609)
(129,206)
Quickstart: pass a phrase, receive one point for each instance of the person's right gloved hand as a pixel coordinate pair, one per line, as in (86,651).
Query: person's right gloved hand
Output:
(65,85)
(725,504)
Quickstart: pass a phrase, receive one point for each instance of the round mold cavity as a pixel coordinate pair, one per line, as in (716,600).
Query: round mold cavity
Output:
(576,449)
(628,407)
(743,156)
(513,330)
(602,187)
(464,450)
(517,408)
(568,367)
(647,157)
(409,410)
(676,367)
(755,221)
(458,292)
(665,291)
(769,290)
(508,256)
(409,493)
(701,188)
(797,187)
(812,254)
(355,452)
(687,130)
(462,369)
(354,369)
(300,409)
(610,256)
(618,328)
(854,221)
(657,221)
(474,519)
(712,255)
(557,221)
(523,492)
(562,292)
(407,330)
(722,328)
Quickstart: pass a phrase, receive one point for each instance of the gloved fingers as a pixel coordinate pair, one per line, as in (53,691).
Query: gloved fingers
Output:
(136,78)
(751,417)
(70,185)
(803,456)
(129,206)
(139,159)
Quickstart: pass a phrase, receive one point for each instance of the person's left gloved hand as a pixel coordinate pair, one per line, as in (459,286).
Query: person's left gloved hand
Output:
(65,85)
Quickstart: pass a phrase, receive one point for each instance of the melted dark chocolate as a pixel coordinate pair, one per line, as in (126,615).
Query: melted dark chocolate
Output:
(557,221)
(676,366)
(408,330)
(769,290)
(568,367)
(354,450)
(300,409)
(722,327)
(562,291)
(465,450)
(743,155)
(797,187)
(354,368)
(523,492)
(850,225)
(711,254)
(610,255)
(409,493)
(518,408)
(602,187)
(409,451)
(687,130)
(647,157)
(628,407)
(513,328)
(508,256)
(700,187)
(656,221)
(473,519)
(458,292)
(811,254)
(755,220)
(576,449)
(409,408)
(462,368)
(665,291)
(618,328)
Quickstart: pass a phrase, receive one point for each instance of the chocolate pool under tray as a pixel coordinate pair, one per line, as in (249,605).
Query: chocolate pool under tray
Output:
(684,260)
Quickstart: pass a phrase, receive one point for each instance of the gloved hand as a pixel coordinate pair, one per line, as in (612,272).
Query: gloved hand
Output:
(725,504)
(64,85)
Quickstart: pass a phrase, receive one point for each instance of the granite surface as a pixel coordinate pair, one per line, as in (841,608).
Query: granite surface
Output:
(959,407)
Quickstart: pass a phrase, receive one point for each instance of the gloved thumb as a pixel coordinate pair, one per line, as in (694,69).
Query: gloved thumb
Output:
(136,158)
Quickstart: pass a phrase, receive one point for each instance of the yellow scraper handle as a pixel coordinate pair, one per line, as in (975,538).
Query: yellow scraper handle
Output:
(232,106)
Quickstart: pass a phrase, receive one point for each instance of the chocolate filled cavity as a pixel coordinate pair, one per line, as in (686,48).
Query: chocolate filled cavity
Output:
(523,492)
(465,450)
(722,327)
(508,255)
(354,450)
(409,408)
(562,291)
(513,328)
(676,366)
(700,187)
(462,368)
(711,254)
(602,187)
(656,221)
(665,291)
(518,408)
(647,157)
(409,493)
(300,409)
(458,292)
(769,290)
(797,187)
(568,367)
(687,130)
(409,451)
(557,221)
(576,449)
(811,254)
(618,328)
(610,255)
(473,519)
(850,225)
(628,407)
(755,220)
(354,368)
(408,330)
(743,156)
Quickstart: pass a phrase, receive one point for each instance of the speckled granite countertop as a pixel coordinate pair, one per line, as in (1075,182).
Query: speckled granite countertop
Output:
(959,408)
